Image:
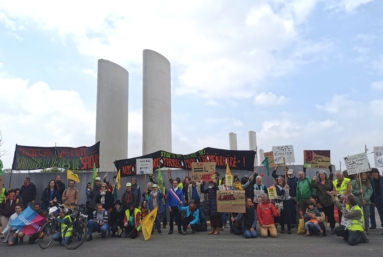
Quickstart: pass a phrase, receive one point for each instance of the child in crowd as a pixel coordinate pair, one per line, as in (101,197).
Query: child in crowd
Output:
(312,212)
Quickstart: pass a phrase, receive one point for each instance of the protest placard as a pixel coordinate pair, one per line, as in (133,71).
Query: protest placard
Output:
(229,180)
(257,196)
(270,158)
(272,193)
(202,171)
(357,163)
(317,159)
(378,154)
(231,201)
(286,151)
(144,166)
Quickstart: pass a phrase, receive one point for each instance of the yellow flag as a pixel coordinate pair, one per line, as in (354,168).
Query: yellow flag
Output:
(118,180)
(72,176)
(147,223)
(228,176)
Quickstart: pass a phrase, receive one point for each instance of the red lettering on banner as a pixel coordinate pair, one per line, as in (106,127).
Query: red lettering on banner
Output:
(226,198)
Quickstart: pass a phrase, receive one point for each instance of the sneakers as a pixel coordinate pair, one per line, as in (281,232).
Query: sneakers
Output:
(184,233)
(90,238)
(180,232)
(159,232)
(170,232)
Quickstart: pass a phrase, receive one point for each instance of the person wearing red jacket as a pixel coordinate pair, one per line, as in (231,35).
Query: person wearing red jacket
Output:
(266,213)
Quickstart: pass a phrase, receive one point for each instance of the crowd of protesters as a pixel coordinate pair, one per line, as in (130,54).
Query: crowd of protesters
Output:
(300,201)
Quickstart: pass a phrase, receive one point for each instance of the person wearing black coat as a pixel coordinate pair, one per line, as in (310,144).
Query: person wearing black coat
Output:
(105,198)
(28,192)
(211,206)
(60,187)
(50,196)
(116,218)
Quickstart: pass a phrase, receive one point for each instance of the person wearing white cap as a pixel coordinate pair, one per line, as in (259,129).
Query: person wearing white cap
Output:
(129,196)
(155,200)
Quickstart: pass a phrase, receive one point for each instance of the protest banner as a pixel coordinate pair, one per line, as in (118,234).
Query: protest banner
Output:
(280,152)
(203,171)
(257,196)
(145,166)
(317,159)
(231,201)
(270,158)
(229,180)
(36,158)
(272,193)
(357,163)
(378,155)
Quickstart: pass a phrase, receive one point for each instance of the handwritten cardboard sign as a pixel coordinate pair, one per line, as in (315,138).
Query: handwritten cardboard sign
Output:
(357,163)
(270,158)
(144,166)
(203,171)
(378,154)
(229,180)
(272,193)
(317,159)
(285,151)
(257,196)
(231,201)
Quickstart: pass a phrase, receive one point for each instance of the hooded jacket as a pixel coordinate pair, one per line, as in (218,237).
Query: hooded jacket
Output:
(303,191)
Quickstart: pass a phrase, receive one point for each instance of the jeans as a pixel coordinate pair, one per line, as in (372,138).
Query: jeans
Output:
(225,218)
(158,221)
(306,218)
(379,206)
(248,234)
(175,214)
(57,237)
(202,216)
(354,237)
(94,227)
(313,226)
(366,213)
(372,216)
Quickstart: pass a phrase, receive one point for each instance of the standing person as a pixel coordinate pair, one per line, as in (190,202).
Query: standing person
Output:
(259,186)
(249,220)
(132,220)
(194,193)
(191,219)
(116,219)
(144,209)
(323,186)
(363,195)
(175,198)
(7,208)
(211,206)
(105,198)
(99,223)
(266,213)
(88,193)
(377,186)
(129,196)
(155,200)
(137,190)
(246,184)
(225,216)
(185,189)
(146,194)
(70,195)
(50,195)
(60,187)
(303,192)
(287,214)
(28,192)
(14,235)
(18,196)
(93,197)
(342,186)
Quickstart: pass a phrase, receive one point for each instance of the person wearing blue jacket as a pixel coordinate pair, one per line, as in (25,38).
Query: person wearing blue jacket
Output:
(155,200)
(191,219)
(175,198)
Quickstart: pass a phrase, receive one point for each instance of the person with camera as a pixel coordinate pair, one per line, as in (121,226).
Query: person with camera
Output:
(99,222)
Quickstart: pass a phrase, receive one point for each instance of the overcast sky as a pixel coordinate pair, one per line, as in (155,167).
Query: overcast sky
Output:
(302,72)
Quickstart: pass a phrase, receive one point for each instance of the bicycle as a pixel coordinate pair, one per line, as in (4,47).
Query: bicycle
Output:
(79,227)
(49,229)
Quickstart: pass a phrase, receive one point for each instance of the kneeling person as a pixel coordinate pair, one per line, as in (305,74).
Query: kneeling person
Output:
(249,220)
(64,220)
(191,219)
(99,222)
(266,213)
(132,220)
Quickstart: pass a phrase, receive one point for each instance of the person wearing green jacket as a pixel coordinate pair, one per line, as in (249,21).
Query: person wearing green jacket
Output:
(303,191)
(363,194)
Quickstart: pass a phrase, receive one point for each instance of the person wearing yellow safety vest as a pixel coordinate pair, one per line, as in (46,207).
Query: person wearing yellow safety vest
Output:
(342,186)
(351,227)
(3,194)
(132,220)
(64,220)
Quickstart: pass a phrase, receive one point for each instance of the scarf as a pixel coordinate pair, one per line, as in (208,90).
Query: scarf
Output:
(154,194)
(192,209)
(237,185)
(102,193)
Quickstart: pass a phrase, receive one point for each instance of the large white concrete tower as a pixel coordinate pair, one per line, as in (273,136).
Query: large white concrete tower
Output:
(112,113)
(253,145)
(156,111)
(233,141)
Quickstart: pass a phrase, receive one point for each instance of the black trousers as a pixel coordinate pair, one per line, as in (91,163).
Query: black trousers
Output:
(186,222)
(132,231)
(329,212)
(175,215)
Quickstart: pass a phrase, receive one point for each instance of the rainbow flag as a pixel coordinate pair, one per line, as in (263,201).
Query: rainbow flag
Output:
(28,222)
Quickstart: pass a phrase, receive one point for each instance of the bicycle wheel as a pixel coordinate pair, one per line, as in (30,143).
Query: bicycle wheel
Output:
(46,234)
(79,233)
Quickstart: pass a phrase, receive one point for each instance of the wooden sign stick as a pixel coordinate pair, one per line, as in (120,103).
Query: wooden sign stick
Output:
(360,185)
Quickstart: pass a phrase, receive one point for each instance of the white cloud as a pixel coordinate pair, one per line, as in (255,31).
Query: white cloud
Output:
(90,72)
(269,98)
(377,85)
(341,104)
(351,5)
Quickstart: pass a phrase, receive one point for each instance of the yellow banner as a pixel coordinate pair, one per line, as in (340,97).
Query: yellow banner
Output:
(148,222)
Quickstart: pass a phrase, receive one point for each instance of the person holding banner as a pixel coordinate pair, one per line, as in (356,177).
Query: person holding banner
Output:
(287,213)
(175,198)
(362,189)
(14,236)
(248,219)
(211,206)
(132,221)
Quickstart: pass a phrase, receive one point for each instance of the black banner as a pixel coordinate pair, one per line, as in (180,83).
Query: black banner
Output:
(36,158)
(238,160)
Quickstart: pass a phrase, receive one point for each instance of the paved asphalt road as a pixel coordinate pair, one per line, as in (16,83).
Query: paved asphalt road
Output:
(201,244)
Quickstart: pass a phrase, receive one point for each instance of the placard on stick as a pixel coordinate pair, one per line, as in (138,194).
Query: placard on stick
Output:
(378,154)
(270,158)
(203,170)
(229,180)
(357,163)
(272,193)
(144,166)
(231,201)
(285,151)
(317,159)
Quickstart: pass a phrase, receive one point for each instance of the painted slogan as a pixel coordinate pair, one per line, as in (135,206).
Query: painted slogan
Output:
(238,160)
(35,158)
